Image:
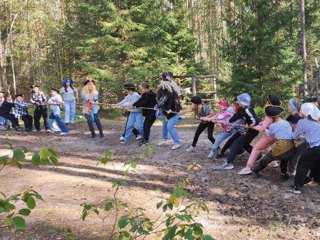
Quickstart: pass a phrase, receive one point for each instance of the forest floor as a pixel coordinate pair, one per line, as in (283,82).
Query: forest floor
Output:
(240,207)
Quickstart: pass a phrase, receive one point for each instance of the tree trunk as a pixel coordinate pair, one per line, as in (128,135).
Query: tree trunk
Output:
(303,44)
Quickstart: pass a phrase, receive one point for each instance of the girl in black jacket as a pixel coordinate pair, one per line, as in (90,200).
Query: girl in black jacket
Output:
(5,112)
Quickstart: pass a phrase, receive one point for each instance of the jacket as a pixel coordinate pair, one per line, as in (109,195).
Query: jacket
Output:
(147,100)
(6,107)
(168,101)
(247,114)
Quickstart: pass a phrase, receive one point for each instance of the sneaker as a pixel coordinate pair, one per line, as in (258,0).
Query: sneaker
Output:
(163,142)
(284,177)
(211,154)
(245,171)
(93,135)
(295,189)
(138,137)
(143,143)
(190,149)
(122,138)
(123,141)
(101,135)
(176,146)
(64,133)
(225,166)
(49,131)
(34,130)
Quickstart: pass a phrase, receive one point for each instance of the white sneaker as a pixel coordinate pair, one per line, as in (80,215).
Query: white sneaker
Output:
(122,138)
(64,133)
(225,166)
(49,131)
(211,154)
(138,137)
(176,146)
(274,164)
(163,142)
(190,149)
(245,171)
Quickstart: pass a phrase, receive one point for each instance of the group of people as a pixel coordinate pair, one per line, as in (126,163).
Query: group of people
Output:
(294,141)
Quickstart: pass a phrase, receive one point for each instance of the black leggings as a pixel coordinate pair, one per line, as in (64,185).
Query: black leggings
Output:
(242,142)
(38,112)
(90,123)
(147,124)
(11,117)
(284,159)
(200,129)
(310,159)
(228,144)
(27,119)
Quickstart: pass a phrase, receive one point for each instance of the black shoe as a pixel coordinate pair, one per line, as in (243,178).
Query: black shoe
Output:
(307,180)
(93,135)
(284,177)
(295,189)
(143,143)
(101,135)
(17,128)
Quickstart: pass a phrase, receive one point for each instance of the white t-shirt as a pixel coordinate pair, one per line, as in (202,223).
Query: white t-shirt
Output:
(69,94)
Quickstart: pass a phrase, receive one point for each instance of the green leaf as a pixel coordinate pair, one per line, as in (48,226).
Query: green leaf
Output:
(198,230)
(159,204)
(18,155)
(19,223)
(207,237)
(54,160)
(108,206)
(31,203)
(35,160)
(3,159)
(44,153)
(123,222)
(25,212)
(150,151)
(171,233)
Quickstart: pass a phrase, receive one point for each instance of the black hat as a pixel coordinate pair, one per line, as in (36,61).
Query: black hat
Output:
(273,111)
(196,100)
(19,95)
(34,85)
(54,89)
(166,76)
(87,81)
(129,86)
(273,100)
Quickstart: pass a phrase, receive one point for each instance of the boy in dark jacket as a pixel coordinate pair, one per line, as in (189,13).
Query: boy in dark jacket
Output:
(21,112)
(5,112)
(148,100)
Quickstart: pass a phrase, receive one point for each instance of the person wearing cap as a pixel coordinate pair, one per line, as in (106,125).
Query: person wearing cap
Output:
(169,103)
(201,111)
(91,109)
(227,130)
(247,113)
(147,102)
(5,111)
(135,116)
(39,100)
(265,143)
(55,103)
(21,112)
(309,128)
(284,148)
(68,93)
(3,121)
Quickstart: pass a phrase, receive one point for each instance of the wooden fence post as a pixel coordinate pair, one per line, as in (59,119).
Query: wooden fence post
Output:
(194,85)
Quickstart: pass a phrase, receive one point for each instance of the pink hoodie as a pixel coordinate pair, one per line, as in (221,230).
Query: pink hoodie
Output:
(224,117)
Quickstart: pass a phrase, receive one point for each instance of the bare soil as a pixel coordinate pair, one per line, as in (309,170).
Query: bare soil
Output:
(240,207)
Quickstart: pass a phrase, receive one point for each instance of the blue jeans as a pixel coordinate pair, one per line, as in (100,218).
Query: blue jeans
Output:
(169,127)
(134,118)
(60,123)
(3,122)
(70,110)
(221,137)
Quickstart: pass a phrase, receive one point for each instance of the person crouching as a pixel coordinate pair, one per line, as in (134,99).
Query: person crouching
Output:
(21,112)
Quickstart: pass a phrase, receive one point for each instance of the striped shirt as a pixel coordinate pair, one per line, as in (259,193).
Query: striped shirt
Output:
(280,130)
(310,130)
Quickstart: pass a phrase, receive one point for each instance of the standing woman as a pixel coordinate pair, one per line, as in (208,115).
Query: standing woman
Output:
(148,100)
(39,100)
(68,93)
(201,110)
(90,107)
(169,102)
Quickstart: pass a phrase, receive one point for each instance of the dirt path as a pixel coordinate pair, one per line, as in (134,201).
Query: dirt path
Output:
(240,207)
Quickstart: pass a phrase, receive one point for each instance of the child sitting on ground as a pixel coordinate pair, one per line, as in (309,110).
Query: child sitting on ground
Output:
(21,112)
(55,103)
(3,121)
(5,112)
(284,148)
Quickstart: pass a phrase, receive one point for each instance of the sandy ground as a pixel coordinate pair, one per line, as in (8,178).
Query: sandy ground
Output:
(240,207)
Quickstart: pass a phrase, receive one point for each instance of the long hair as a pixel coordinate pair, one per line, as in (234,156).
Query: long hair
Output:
(66,88)
(87,92)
